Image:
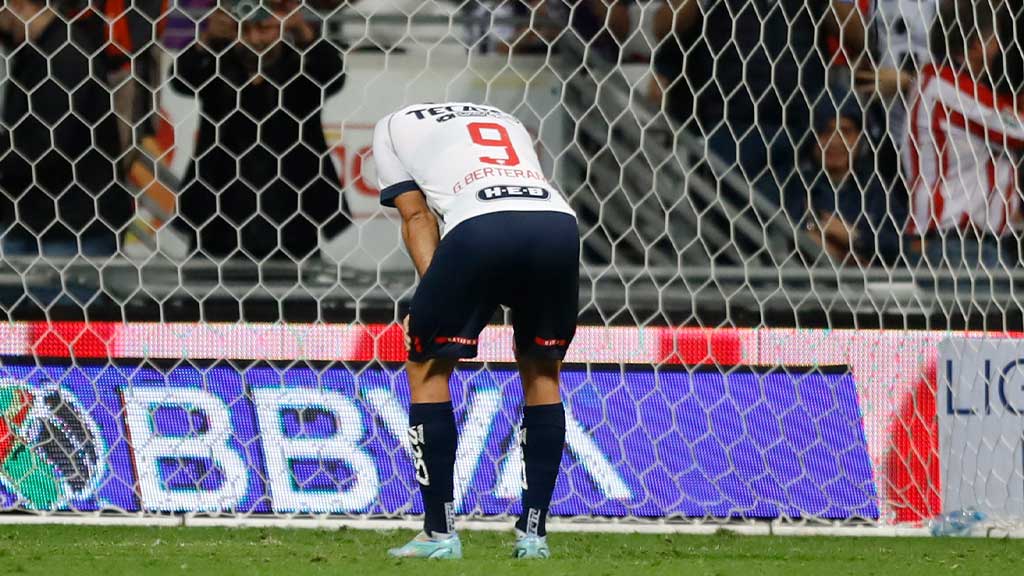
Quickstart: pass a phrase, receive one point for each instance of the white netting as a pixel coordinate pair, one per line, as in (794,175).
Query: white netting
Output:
(785,205)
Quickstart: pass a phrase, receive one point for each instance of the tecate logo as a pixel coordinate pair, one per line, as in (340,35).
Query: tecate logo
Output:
(49,447)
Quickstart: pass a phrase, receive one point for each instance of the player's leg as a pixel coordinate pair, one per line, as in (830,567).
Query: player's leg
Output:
(434,439)
(447,313)
(542,437)
(544,317)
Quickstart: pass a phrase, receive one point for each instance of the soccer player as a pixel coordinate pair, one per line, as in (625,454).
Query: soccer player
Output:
(506,237)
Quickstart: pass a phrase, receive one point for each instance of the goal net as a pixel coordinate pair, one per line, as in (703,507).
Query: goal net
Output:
(799,284)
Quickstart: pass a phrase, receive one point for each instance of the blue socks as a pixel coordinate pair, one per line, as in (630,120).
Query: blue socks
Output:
(433,438)
(542,436)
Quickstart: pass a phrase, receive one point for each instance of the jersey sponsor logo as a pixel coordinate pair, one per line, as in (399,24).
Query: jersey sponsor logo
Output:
(447,112)
(507,191)
(449,517)
(533,521)
(522,447)
(550,342)
(416,442)
(455,340)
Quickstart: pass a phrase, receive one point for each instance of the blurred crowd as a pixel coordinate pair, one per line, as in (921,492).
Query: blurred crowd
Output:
(81,159)
(886,131)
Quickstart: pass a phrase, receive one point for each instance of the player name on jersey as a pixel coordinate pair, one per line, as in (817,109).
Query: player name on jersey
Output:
(482,173)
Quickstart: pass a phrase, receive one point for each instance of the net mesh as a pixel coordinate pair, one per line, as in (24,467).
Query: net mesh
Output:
(785,206)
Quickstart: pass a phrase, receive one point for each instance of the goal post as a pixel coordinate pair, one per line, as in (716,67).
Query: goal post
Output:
(769,338)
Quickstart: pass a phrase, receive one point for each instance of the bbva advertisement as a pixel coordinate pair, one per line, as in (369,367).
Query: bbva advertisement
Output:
(263,439)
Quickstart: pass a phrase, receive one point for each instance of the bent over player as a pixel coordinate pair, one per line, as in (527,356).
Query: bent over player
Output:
(506,237)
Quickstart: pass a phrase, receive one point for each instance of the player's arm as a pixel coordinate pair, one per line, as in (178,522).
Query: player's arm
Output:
(978,110)
(398,189)
(419,229)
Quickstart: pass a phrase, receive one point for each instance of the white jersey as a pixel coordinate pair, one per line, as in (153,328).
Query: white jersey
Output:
(468,159)
(958,152)
(902,28)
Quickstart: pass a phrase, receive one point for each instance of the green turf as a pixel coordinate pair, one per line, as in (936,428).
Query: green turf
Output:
(106,551)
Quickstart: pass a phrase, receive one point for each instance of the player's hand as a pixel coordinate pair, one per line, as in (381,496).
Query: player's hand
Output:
(405,332)
(886,82)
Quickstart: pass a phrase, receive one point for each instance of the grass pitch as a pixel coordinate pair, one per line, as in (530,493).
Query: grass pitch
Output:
(106,551)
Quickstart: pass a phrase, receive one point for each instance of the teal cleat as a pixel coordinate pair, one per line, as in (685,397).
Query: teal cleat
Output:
(531,546)
(443,546)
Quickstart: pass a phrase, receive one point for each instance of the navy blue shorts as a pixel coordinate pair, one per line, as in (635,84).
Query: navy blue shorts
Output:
(528,261)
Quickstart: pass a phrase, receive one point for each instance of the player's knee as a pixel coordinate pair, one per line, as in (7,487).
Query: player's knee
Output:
(540,379)
(540,366)
(428,380)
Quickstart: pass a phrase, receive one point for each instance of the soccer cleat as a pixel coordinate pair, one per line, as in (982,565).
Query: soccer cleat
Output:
(531,546)
(447,547)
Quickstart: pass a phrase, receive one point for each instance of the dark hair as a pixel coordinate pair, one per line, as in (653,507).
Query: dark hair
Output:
(828,110)
(957,24)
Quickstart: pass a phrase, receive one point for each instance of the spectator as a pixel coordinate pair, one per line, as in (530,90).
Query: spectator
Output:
(961,134)
(901,29)
(262,183)
(839,200)
(385,24)
(132,61)
(604,25)
(507,26)
(59,149)
(900,49)
(531,26)
(763,72)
